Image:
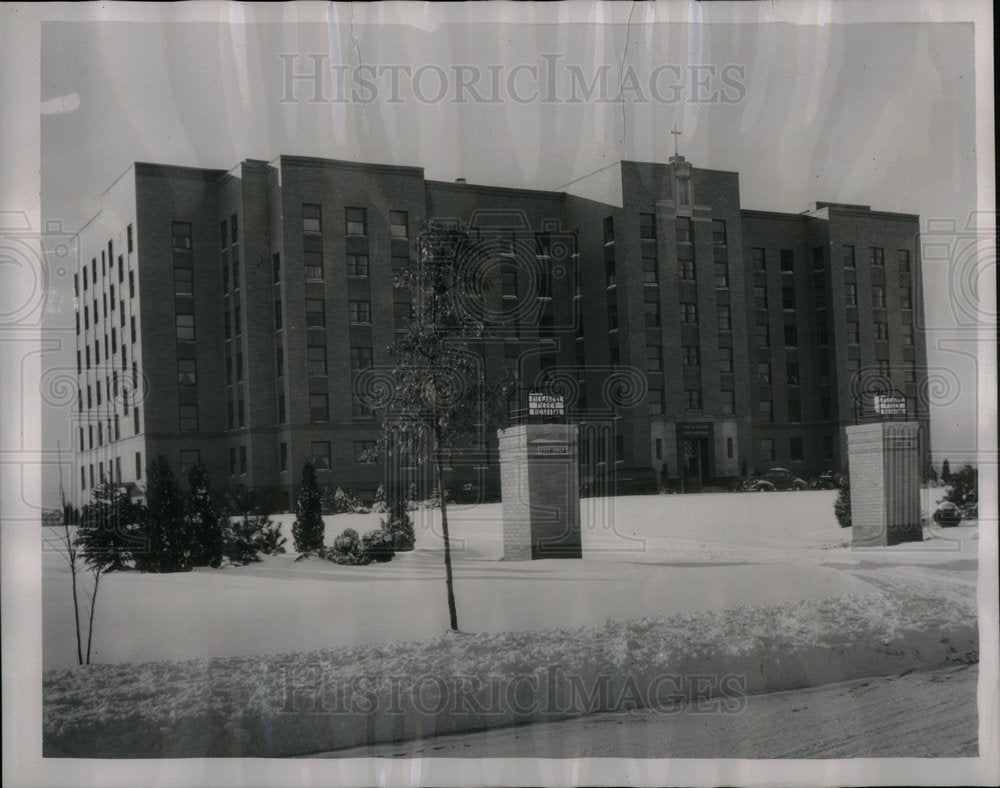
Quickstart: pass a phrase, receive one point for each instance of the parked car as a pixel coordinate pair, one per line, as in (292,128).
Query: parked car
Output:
(828,480)
(948,515)
(627,481)
(775,479)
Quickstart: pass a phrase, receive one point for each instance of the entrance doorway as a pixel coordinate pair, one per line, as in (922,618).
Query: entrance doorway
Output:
(695,467)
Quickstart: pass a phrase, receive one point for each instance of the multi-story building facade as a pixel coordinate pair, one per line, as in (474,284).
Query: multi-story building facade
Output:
(228,317)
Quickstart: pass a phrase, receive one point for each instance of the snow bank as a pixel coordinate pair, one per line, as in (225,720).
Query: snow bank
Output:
(279,705)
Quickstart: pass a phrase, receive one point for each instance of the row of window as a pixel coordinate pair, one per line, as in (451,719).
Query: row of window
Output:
(106,264)
(114,471)
(684,229)
(355,221)
(796,449)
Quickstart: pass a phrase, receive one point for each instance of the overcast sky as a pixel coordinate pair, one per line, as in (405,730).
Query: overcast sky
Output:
(880,114)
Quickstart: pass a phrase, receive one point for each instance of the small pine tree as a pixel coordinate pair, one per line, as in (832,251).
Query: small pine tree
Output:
(203,521)
(963,490)
(165,528)
(946,472)
(110,530)
(842,505)
(307,530)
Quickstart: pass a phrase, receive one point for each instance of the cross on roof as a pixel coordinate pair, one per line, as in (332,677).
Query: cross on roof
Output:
(676,134)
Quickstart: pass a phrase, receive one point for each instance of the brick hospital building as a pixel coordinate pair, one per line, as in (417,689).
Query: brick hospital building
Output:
(228,317)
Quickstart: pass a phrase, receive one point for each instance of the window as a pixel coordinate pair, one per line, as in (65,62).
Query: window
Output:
(233,226)
(760,296)
(189,458)
(276,266)
(853,335)
(647,227)
(763,334)
(313,264)
(237,320)
(724,317)
(848,256)
(851,294)
(766,409)
(758,261)
(188,418)
(184,281)
(683,191)
(794,410)
(689,313)
(791,336)
(283,456)
(281,408)
(277,315)
(685,230)
(612,316)
(318,408)
(135,420)
(359,409)
(878,256)
(223,227)
(881,331)
(243,459)
(654,401)
(692,358)
(910,373)
(239,366)
(795,449)
(787,261)
(225,279)
(619,448)
(882,367)
(686,270)
(907,332)
(398,224)
(719,232)
(312,218)
(357,265)
(357,221)
(763,371)
(240,411)
(128,237)
(721,274)
(659,448)
(903,260)
(361,358)
(878,296)
(905,298)
(316,360)
(227,324)
(232,460)
(609,229)
(359,311)
(654,358)
(138,465)
(184,327)
(316,312)
(181,232)
(725,359)
(187,374)
(652,313)
(727,402)
(788,298)
(650,273)
(364,451)
(236,274)
(131,284)
(817,254)
(609,272)
(692,399)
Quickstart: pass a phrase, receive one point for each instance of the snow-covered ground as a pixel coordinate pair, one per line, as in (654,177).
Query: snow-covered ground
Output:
(763,586)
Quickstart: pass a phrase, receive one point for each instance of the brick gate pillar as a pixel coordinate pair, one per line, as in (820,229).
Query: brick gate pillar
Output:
(539,486)
(885,471)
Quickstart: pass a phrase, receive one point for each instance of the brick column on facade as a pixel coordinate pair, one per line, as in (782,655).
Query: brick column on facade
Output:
(885,472)
(538,483)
